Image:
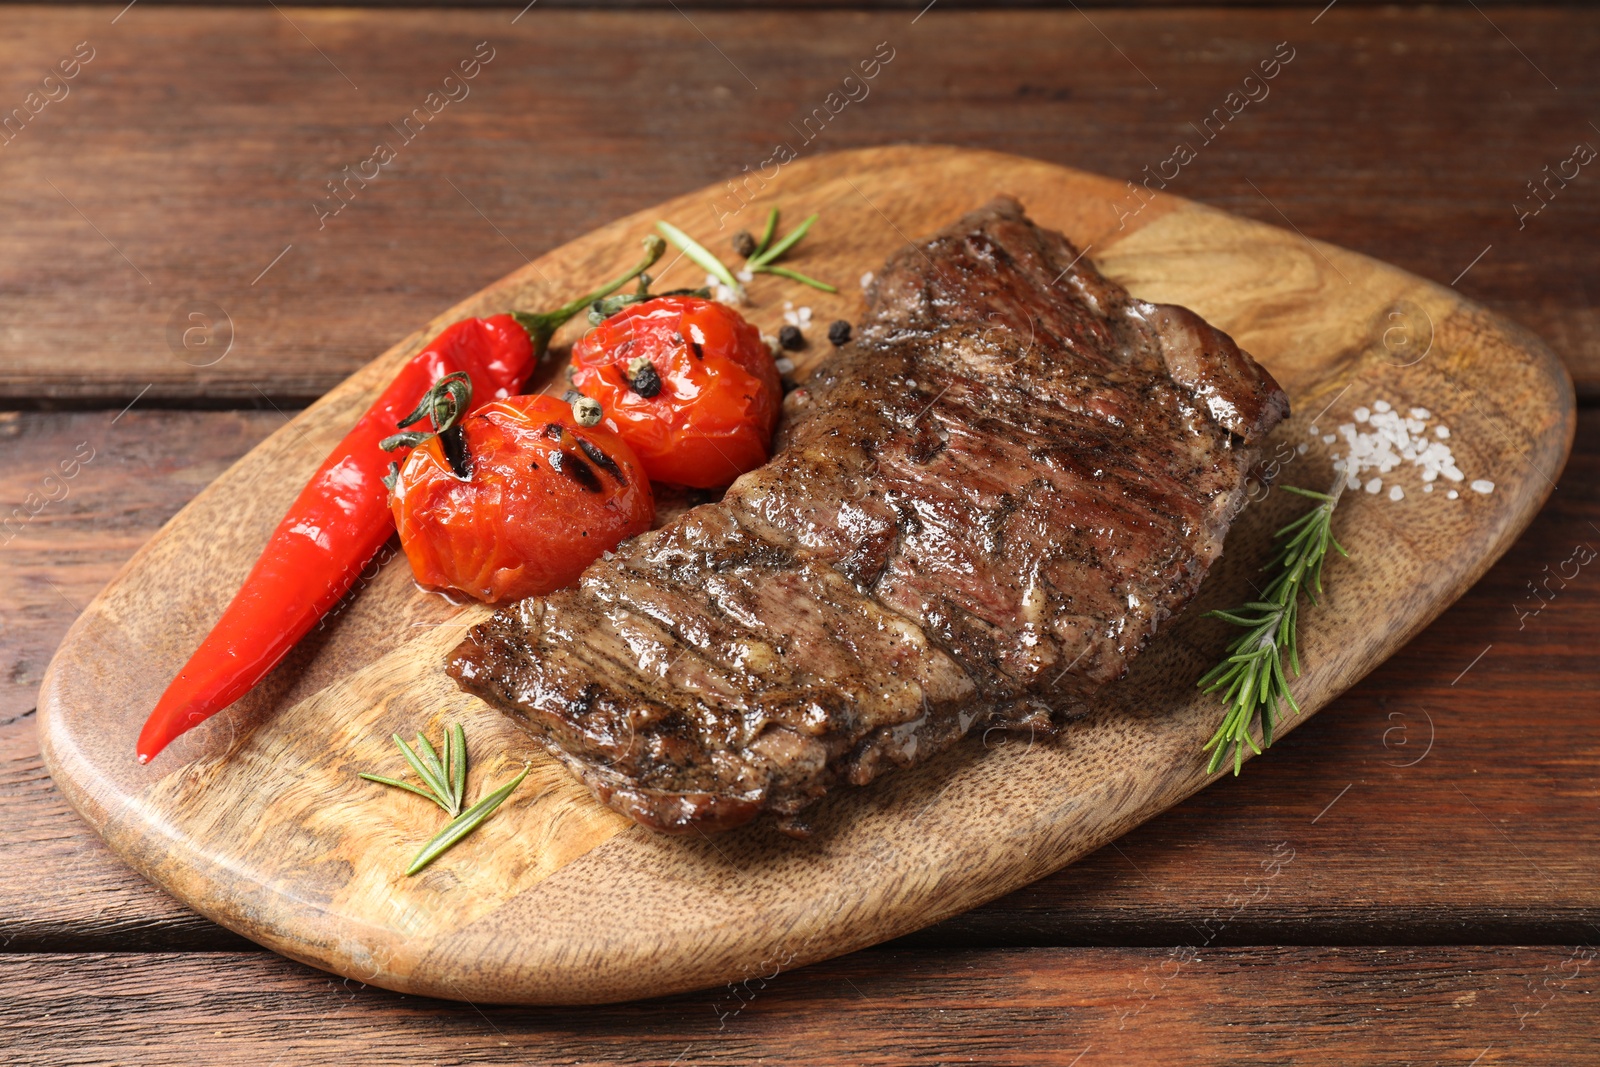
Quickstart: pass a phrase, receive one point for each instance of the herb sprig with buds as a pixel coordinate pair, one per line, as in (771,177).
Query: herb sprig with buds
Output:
(701,255)
(1252,678)
(760,256)
(763,254)
(444,781)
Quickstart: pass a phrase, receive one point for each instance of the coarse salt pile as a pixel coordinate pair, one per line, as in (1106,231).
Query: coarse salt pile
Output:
(721,293)
(1381,439)
(800,318)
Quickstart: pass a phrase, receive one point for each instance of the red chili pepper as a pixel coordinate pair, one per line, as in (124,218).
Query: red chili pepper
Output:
(342,517)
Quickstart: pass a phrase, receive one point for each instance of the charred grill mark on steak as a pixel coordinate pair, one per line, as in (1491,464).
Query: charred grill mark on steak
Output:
(978,512)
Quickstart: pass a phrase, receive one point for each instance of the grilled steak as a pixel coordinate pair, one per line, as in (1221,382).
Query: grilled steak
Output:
(978,512)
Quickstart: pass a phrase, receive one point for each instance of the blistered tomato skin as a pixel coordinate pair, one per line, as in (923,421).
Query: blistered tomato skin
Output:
(545,498)
(713,416)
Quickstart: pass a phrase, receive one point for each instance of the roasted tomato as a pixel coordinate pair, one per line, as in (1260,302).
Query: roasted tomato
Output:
(544,497)
(688,384)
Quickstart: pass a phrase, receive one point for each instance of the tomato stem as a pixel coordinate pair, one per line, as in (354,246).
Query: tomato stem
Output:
(442,405)
(601,310)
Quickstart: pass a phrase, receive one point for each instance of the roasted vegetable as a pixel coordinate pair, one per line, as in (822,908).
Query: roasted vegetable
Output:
(540,497)
(688,383)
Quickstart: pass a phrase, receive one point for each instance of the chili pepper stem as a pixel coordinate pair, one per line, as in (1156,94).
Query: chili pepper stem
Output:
(542,326)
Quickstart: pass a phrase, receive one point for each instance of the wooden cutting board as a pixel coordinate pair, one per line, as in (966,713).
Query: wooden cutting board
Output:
(258,820)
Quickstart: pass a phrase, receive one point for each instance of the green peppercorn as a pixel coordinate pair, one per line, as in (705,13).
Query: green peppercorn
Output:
(586,411)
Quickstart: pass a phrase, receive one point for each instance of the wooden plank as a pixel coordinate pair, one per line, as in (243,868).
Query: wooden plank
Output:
(194,163)
(1355,872)
(304,861)
(1085,1007)
(911,6)
(102,483)
(67,891)
(1354,875)
(1472,764)
(79,494)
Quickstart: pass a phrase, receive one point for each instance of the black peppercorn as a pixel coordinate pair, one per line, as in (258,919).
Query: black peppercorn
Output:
(839,333)
(791,338)
(744,244)
(643,377)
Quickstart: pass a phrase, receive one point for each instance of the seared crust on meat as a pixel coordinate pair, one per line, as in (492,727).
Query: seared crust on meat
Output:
(978,512)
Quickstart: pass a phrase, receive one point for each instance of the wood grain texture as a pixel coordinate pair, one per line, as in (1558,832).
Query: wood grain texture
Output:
(197,142)
(1354,880)
(81,492)
(260,823)
(61,539)
(911,6)
(1084,1007)
(1473,802)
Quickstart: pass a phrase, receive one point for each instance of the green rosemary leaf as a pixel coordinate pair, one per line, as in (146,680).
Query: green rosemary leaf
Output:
(459,784)
(766,234)
(436,787)
(407,786)
(699,254)
(430,756)
(442,773)
(794,275)
(790,239)
(450,770)
(1237,620)
(464,824)
(1251,677)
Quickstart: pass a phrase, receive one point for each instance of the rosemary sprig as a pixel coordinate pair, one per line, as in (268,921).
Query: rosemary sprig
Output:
(464,824)
(794,275)
(700,255)
(444,781)
(763,255)
(1251,678)
(788,241)
(766,254)
(767,233)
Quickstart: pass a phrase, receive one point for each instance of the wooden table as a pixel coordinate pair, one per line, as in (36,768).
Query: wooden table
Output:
(1412,877)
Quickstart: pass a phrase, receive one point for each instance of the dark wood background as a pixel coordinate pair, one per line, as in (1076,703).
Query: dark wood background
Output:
(912,6)
(1443,818)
